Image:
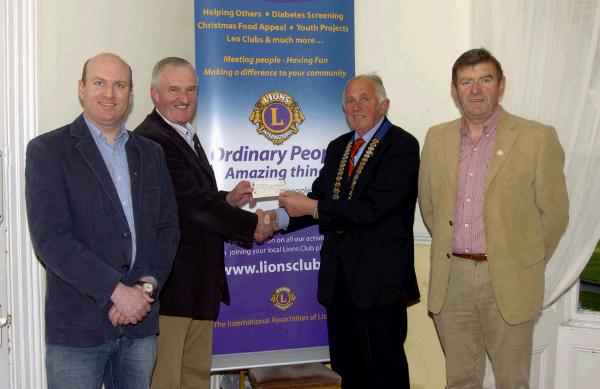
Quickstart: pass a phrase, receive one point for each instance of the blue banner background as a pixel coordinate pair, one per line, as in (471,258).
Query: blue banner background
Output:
(320,35)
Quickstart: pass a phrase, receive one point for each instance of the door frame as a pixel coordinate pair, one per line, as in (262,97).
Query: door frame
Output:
(4,308)
(25,288)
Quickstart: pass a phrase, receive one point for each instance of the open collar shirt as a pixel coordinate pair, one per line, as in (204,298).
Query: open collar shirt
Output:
(474,157)
(115,159)
(187,132)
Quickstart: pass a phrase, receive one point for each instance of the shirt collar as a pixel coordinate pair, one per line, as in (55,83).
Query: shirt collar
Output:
(98,135)
(369,134)
(186,131)
(489,127)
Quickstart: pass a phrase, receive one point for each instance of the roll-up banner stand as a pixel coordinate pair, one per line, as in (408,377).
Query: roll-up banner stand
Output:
(271,76)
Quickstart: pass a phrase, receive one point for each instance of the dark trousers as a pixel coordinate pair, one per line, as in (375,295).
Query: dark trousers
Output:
(366,346)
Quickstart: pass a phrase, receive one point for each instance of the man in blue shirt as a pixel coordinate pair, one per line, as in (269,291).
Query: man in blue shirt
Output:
(103,221)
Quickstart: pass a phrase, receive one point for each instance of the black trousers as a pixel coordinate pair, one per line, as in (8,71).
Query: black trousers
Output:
(366,346)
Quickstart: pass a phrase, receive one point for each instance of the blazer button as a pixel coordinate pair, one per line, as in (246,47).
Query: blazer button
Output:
(125,234)
(447,255)
(450,222)
(125,267)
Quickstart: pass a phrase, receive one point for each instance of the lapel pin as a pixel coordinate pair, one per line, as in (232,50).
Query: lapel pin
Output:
(499,153)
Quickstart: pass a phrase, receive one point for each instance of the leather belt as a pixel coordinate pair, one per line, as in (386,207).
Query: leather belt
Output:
(474,257)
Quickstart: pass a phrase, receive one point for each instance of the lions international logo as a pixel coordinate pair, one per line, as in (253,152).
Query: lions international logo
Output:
(276,116)
(283,298)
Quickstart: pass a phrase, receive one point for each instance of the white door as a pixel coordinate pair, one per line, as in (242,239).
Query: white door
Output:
(5,317)
(4,309)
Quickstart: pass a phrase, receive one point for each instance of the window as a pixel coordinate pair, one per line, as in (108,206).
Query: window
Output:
(589,284)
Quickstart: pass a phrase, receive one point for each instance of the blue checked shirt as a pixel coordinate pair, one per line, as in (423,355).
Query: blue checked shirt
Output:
(115,159)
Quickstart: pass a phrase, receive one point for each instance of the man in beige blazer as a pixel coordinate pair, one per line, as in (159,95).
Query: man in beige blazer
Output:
(492,193)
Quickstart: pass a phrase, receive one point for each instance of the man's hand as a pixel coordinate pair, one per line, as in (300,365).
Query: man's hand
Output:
(117,318)
(273,219)
(240,195)
(296,204)
(264,227)
(129,302)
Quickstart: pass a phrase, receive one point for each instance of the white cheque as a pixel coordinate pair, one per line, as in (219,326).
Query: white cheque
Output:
(267,188)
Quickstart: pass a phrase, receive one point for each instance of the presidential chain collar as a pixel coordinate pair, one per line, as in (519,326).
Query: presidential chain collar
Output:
(357,171)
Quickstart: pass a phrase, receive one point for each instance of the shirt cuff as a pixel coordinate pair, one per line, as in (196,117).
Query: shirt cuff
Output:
(284,218)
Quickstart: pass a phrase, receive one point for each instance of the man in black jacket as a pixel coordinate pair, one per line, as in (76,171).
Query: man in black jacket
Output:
(197,285)
(364,203)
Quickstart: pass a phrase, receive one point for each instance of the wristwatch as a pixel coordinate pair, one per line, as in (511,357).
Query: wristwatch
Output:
(147,287)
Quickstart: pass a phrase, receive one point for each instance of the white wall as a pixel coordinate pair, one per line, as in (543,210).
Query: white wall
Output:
(412,44)
(140,31)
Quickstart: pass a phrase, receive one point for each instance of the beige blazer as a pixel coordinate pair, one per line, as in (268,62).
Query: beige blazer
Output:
(525,210)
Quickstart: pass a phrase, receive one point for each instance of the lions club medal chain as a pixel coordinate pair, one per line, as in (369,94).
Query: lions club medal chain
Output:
(361,165)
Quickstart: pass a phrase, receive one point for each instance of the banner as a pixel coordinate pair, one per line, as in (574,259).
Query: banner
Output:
(271,76)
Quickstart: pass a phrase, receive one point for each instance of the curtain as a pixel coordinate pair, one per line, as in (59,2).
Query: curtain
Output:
(549,51)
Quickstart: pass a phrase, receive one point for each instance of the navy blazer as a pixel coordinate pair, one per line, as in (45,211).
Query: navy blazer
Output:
(80,233)
(370,237)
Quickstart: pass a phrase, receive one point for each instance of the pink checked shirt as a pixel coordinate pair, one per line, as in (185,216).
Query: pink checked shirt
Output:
(469,229)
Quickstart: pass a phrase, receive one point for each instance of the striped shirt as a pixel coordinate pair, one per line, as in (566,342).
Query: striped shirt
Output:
(115,158)
(474,157)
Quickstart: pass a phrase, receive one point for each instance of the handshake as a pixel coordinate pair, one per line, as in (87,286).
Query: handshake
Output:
(295,204)
(267,224)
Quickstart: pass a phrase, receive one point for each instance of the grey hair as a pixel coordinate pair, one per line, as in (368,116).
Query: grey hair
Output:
(375,79)
(166,62)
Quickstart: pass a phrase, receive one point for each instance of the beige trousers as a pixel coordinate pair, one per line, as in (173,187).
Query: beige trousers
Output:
(184,353)
(470,324)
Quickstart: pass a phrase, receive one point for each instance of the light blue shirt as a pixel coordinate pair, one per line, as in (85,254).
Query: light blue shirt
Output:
(284,218)
(367,138)
(115,158)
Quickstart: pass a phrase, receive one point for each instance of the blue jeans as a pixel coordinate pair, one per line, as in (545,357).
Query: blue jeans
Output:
(123,363)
